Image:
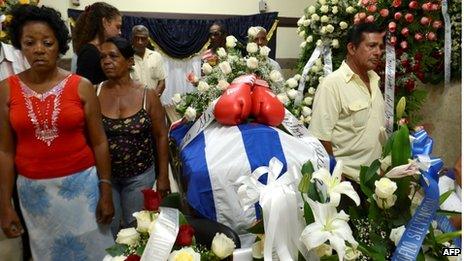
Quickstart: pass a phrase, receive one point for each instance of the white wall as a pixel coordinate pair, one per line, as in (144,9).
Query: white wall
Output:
(287,40)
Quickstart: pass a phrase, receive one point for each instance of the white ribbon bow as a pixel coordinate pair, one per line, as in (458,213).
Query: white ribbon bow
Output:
(281,212)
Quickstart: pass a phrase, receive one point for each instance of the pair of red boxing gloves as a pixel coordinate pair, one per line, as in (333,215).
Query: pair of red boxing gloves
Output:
(247,96)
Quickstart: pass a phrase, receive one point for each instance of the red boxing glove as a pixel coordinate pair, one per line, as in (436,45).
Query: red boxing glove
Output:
(234,106)
(266,108)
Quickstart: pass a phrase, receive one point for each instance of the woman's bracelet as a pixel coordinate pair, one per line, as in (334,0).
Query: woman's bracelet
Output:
(107,181)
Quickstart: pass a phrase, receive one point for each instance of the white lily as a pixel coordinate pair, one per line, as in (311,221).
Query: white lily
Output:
(328,225)
(335,186)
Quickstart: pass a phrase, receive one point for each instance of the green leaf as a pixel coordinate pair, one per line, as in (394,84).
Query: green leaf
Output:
(374,210)
(362,182)
(257,228)
(172,201)
(117,249)
(420,256)
(139,250)
(308,213)
(447,213)
(307,168)
(401,148)
(371,174)
(329,258)
(445,237)
(305,183)
(445,196)
(182,219)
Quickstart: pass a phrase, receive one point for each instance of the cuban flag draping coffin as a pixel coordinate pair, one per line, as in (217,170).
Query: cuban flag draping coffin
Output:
(218,156)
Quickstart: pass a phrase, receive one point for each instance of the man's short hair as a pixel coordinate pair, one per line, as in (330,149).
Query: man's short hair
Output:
(140,29)
(355,33)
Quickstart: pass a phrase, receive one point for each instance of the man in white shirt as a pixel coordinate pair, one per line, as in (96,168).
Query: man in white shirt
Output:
(11,62)
(149,66)
(348,111)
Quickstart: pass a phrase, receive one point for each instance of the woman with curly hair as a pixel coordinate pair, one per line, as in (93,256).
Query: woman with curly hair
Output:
(51,134)
(98,22)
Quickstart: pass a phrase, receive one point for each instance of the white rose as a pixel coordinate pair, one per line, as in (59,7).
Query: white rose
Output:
(222,85)
(315,17)
(186,253)
(322,2)
(303,44)
(292,83)
(334,10)
(309,39)
(396,234)
(118,258)
(225,67)
(190,114)
(202,86)
(221,52)
(308,100)
(231,41)
(252,63)
(385,187)
(351,254)
(343,25)
(306,22)
(335,43)
(324,9)
(275,76)
(257,249)
(311,9)
(283,98)
(324,19)
(319,42)
(311,90)
(222,246)
(323,250)
(292,93)
(297,77)
(143,220)
(385,203)
(330,28)
(252,32)
(300,21)
(252,47)
(206,68)
(302,34)
(264,51)
(323,30)
(128,236)
(306,111)
(350,10)
(177,98)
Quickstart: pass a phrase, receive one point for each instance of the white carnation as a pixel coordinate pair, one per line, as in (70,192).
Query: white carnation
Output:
(264,51)
(311,90)
(300,21)
(292,83)
(350,10)
(322,2)
(190,114)
(334,2)
(324,9)
(335,44)
(222,85)
(315,17)
(221,52)
(311,9)
(302,34)
(309,39)
(202,86)
(231,41)
(176,99)
(292,93)
(334,10)
(297,77)
(330,28)
(283,98)
(308,100)
(306,111)
(303,45)
(306,22)
(323,30)
(252,47)
(319,42)
(206,68)
(252,32)
(275,76)
(252,63)
(225,67)
(343,25)
(324,19)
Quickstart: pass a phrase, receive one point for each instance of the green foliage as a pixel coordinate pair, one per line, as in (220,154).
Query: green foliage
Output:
(401,148)
(117,249)
(172,201)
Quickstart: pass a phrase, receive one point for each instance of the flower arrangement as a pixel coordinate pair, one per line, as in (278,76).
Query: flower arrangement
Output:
(455,10)
(131,242)
(217,76)
(5,17)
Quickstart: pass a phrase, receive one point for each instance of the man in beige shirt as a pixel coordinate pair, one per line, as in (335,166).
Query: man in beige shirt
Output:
(348,111)
(149,66)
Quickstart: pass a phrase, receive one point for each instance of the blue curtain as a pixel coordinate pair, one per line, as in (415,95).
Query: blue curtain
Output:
(181,38)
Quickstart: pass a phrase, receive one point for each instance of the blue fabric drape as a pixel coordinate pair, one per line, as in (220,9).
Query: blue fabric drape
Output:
(181,38)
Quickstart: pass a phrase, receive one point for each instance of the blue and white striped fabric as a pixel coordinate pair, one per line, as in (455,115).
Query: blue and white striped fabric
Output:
(219,155)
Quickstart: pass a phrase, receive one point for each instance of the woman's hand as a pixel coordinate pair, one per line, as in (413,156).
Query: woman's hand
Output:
(163,186)
(10,223)
(105,208)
